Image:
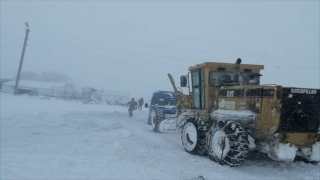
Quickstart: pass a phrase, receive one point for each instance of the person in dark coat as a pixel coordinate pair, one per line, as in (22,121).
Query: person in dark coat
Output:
(132,105)
(140,103)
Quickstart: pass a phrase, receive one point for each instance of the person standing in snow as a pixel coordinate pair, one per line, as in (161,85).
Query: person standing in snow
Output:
(140,103)
(132,105)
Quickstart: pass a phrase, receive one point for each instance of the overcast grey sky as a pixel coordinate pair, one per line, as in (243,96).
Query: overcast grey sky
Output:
(132,45)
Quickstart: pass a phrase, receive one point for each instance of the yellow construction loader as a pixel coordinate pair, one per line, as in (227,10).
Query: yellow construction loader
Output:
(227,114)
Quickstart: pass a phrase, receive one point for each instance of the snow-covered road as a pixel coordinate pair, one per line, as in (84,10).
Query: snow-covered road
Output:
(54,139)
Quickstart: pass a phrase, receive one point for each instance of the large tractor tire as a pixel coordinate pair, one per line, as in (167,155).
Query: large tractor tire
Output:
(156,117)
(193,136)
(227,143)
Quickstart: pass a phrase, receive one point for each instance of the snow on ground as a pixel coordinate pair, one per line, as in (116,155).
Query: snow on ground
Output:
(55,139)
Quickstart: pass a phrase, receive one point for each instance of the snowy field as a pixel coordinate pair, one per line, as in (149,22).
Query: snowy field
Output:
(60,140)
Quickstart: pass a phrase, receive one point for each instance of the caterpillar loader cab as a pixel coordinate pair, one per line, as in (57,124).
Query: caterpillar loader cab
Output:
(227,113)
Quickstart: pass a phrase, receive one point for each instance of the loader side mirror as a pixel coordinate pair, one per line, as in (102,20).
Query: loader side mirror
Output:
(183,81)
(146,105)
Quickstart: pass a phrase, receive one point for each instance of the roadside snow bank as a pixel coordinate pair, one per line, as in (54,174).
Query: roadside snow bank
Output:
(28,104)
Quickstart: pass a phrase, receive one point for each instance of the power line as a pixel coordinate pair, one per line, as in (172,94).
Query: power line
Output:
(238,54)
(297,67)
(151,55)
(122,52)
(187,49)
(142,54)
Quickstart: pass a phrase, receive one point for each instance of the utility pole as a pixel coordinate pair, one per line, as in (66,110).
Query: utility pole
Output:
(21,59)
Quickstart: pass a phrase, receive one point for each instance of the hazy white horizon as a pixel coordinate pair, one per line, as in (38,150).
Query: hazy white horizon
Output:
(124,45)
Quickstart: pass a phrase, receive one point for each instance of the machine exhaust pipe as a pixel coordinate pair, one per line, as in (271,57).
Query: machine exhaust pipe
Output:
(236,71)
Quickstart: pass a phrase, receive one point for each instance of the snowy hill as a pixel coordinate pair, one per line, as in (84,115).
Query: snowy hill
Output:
(54,139)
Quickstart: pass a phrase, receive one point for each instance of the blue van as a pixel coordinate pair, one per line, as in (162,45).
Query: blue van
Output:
(162,100)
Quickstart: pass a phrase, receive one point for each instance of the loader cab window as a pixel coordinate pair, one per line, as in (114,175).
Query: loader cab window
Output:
(249,78)
(220,78)
(197,78)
